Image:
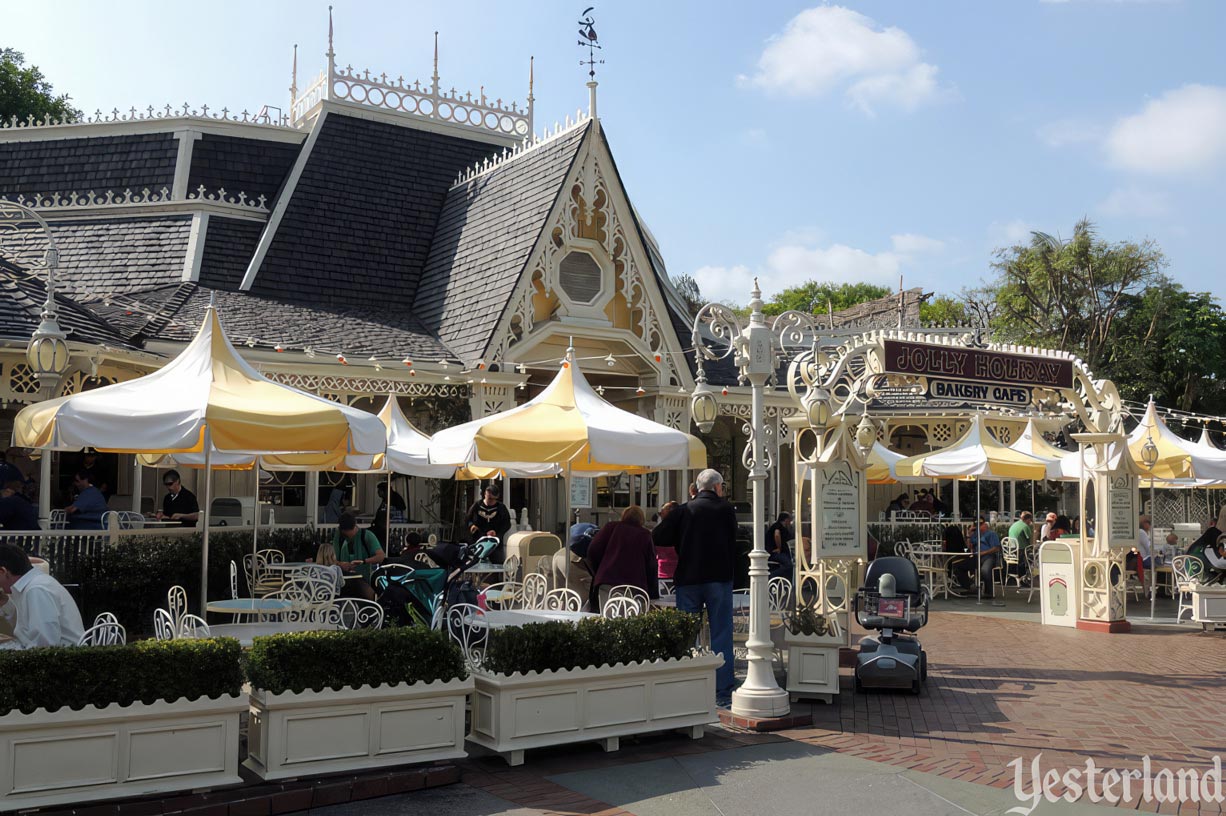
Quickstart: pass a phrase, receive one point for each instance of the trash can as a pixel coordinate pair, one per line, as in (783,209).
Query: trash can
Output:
(1058,584)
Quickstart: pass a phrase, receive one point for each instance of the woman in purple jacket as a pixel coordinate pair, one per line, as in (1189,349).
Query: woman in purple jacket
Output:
(622,553)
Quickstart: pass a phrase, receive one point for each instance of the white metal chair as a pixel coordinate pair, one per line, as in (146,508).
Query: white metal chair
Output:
(176,604)
(105,617)
(107,633)
(504,595)
(193,626)
(535,588)
(356,613)
(510,568)
(163,625)
(563,600)
(779,601)
(740,623)
(1032,567)
(436,620)
(58,520)
(544,567)
(665,585)
(466,625)
(1187,570)
(1010,552)
(309,598)
(902,548)
(233,580)
(630,591)
(622,606)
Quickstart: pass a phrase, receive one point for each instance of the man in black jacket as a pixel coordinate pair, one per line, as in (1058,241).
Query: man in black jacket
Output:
(704,533)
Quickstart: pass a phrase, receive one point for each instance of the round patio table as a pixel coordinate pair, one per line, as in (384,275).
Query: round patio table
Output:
(245,632)
(518,617)
(249,606)
(740,600)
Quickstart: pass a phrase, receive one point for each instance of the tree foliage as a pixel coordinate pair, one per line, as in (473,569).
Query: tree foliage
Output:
(817,297)
(25,92)
(690,292)
(1068,294)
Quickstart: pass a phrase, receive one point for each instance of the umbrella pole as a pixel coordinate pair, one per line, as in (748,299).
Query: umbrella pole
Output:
(208,501)
(1153,548)
(978,546)
(387,516)
(255,526)
(566,531)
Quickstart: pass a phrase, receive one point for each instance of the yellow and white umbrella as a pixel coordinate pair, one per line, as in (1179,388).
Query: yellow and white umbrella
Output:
(978,454)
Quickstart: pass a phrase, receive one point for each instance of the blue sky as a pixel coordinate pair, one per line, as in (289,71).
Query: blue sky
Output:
(788,140)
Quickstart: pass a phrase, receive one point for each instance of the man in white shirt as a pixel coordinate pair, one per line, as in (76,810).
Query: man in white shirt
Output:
(38,607)
(1051,519)
(1145,545)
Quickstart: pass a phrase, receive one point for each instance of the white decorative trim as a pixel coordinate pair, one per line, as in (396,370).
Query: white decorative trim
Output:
(148,113)
(183,161)
(317,732)
(365,386)
(511,713)
(521,149)
(54,131)
(118,751)
(195,247)
(57,204)
(283,200)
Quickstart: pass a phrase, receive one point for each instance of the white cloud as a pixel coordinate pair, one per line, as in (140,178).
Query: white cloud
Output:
(1183,131)
(795,262)
(1133,202)
(1002,233)
(1070,131)
(829,47)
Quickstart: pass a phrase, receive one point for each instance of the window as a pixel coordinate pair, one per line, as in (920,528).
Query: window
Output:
(580,277)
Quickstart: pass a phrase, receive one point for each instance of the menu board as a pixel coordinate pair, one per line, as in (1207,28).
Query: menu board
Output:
(580,491)
(1123,509)
(841,522)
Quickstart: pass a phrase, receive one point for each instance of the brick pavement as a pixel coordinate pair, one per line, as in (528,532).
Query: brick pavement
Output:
(997,689)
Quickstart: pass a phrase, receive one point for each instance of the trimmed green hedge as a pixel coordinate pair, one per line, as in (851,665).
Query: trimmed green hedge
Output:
(322,660)
(658,635)
(145,671)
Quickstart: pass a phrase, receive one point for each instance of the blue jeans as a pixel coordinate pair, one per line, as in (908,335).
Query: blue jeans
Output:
(717,598)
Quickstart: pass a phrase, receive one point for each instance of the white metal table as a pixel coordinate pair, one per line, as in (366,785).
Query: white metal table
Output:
(245,632)
(520,617)
(249,606)
(740,601)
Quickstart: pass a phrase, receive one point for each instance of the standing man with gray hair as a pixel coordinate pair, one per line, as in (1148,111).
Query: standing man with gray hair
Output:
(703,530)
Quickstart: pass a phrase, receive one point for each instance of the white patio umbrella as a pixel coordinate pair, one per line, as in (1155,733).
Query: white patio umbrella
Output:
(206,400)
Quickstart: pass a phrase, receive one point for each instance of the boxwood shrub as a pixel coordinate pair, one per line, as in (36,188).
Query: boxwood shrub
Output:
(334,660)
(145,671)
(658,635)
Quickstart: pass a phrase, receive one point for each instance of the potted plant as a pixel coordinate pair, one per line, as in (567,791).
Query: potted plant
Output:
(813,642)
(603,679)
(323,702)
(99,722)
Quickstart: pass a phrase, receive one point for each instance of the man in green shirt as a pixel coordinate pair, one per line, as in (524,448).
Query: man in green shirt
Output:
(1023,532)
(357,550)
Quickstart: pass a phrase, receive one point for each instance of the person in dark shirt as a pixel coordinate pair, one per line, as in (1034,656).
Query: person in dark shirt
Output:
(489,517)
(179,504)
(85,512)
(399,508)
(16,512)
(703,531)
(778,538)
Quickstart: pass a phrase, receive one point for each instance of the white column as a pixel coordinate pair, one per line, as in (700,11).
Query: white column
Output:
(955,509)
(137,472)
(44,490)
(312,497)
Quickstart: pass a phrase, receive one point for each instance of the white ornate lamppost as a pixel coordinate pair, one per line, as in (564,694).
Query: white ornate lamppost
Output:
(755,348)
(47,352)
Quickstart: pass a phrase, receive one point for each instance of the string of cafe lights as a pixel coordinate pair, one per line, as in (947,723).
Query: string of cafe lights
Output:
(1137,409)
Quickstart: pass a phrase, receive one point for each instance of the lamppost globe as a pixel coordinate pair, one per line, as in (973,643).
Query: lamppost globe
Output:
(866,434)
(47,352)
(817,409)
(1149,454)
(704,407)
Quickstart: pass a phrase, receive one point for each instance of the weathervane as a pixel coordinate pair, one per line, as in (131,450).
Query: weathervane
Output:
(587,31)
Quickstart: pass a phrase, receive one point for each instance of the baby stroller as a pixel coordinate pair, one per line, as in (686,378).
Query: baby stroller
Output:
(892,601)
(419,596)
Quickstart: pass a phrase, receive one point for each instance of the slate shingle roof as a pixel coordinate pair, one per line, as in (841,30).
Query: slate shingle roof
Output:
(229,244)
(99,163)
(105,255)
(252,166)
(387,332)
(21,304)
(485,233)
(358,226)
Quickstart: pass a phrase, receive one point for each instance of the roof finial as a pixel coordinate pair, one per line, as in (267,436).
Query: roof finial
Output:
(293,82)
(331,53)
(435,77)
(531,98)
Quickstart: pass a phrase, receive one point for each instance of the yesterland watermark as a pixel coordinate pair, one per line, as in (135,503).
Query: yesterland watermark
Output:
(1114,786)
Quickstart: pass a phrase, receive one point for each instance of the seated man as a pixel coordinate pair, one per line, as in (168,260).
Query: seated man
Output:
(1140,558)
(357,551)
(986,543)
(40,610)
(85,513)
(1215,560)
(1022,531)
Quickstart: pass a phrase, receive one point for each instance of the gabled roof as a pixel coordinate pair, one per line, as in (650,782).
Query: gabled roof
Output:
(357,225)
(21,303)
(485,236)
(108,255)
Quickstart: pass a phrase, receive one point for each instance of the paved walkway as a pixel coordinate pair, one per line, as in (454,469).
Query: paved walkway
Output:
(999,687)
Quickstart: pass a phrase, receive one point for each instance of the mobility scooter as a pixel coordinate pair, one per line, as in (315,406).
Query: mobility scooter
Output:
(894,602)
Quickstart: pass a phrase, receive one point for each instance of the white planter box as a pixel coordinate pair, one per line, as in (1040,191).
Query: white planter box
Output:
(60,757)
(316,732)
(813,666)
(512,713)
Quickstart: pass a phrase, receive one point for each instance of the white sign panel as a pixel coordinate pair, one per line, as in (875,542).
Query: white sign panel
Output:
(1123,510)
(839,517)
(580,491)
